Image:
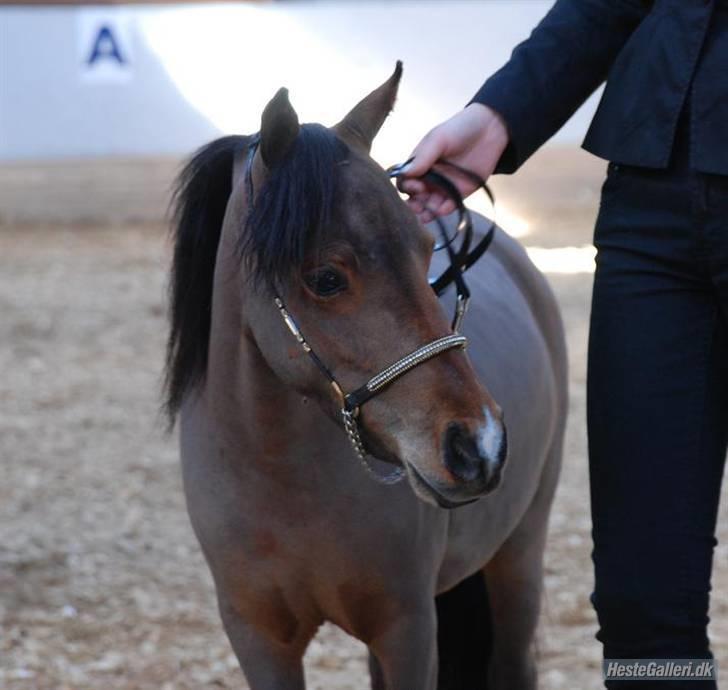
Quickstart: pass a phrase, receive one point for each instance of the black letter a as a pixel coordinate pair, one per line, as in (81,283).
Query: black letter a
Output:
(105,46)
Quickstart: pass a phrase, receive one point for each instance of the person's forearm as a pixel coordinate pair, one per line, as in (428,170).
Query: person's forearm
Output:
(554,71)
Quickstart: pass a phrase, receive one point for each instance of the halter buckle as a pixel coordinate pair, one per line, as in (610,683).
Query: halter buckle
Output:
(341,395)
(461,307)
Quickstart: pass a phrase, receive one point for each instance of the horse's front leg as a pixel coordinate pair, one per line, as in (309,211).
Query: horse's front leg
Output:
(407,651)
(268,664)
(514,577)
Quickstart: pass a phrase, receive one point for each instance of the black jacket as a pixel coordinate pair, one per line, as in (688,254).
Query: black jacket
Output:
(652,53)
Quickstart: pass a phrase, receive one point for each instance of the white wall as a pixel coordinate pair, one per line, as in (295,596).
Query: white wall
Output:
(193,71)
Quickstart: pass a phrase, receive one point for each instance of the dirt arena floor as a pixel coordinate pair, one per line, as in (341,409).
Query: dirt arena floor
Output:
(102,585)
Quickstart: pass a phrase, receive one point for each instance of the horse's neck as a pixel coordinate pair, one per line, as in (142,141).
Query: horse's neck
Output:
(248,404)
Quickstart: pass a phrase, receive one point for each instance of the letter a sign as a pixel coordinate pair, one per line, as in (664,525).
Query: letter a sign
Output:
(105,46)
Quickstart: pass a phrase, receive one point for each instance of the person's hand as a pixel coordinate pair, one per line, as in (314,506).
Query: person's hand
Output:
(474,139)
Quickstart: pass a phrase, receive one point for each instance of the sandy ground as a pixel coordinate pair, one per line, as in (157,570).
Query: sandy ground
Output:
(101,582)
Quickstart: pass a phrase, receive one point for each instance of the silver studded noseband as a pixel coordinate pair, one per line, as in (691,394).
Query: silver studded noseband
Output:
(352,402)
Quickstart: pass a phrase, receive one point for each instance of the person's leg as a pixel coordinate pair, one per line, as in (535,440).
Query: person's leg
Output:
(657,396)
(716,233)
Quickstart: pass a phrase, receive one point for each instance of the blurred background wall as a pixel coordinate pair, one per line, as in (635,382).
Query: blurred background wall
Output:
(100,103)
(151,80)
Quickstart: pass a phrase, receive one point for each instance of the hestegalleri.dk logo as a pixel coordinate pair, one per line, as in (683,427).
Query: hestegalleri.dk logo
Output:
(659,669)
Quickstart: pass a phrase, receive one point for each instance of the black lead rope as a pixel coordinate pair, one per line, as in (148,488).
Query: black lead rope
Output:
(464,257)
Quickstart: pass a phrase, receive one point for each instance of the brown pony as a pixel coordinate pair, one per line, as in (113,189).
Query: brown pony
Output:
(293,529)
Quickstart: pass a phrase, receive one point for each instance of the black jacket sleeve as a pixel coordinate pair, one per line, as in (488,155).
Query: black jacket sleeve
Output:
(549,75)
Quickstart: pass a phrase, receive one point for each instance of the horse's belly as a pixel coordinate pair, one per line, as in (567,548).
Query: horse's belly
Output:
(513,361)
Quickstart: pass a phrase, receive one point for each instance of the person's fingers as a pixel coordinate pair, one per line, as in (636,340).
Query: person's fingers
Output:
(426,216)
(416,205)
(421,188)
(436,204)
(411,186)
(426,154)
(434,201)
(446,207)
(464,183)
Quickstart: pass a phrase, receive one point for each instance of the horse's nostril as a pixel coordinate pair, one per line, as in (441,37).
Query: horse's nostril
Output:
(462,457)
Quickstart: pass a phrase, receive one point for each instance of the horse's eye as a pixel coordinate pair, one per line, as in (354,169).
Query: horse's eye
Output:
(325,282)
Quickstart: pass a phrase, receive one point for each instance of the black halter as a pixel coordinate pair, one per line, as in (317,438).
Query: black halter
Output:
(460,260)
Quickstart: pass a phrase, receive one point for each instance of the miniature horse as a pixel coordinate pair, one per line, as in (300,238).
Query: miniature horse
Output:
(294,531)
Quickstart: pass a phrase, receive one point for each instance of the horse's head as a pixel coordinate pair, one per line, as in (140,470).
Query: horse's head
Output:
(327,231)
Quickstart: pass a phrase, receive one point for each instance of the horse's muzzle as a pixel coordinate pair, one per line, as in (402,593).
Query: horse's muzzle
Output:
(474,457)
(475,460)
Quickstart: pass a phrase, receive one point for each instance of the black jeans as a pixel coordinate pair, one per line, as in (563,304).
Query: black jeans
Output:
(657,410)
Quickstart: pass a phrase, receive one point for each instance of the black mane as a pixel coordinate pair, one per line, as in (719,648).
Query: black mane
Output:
(293,209)
(291,212)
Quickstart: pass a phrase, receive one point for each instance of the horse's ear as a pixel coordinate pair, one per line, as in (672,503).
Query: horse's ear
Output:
(361,125)
(278,130)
